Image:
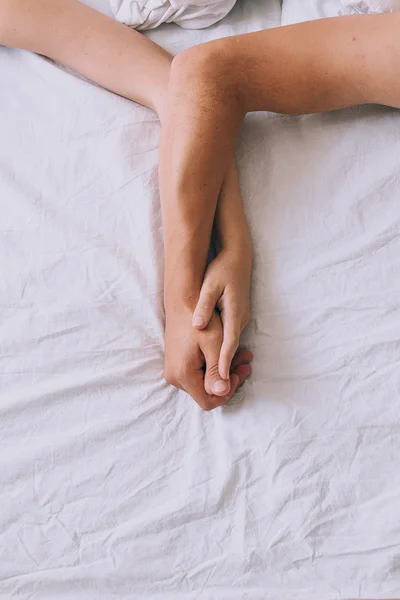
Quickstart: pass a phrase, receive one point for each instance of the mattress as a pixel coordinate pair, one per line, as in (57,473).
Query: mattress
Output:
(112,483)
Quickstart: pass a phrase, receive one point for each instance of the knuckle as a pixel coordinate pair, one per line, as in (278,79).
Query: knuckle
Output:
(169,377)
(215,343)
(208,288)
(208,299)
(213,338)
(208,405)
(175,375)
(205,307)
(209,66)
(181,372)
(213,372)
(232,304)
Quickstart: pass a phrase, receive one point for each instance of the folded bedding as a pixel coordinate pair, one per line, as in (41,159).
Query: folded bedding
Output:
(148,14)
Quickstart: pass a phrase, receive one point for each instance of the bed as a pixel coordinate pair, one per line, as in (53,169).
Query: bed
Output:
(112,483)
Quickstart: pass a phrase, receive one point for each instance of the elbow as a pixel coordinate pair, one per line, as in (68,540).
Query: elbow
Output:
(195,59)
(6,23)
(13,18)
(193,67)
(208,71)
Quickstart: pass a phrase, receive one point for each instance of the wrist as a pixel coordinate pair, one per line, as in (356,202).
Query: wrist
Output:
(237,246)
(184,271)
(181,294)
(232,231)
(180,303)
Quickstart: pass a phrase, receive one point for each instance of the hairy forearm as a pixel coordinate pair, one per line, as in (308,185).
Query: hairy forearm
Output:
(346,61)
(191,178)
(186,254)
(188,217)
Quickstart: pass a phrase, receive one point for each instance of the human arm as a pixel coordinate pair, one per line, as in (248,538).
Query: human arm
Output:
(125,62)
(309,67)
(226,287)
(90,43)
(226,284)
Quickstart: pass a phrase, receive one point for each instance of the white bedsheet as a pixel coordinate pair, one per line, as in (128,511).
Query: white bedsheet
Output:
(149,14)
(114,485)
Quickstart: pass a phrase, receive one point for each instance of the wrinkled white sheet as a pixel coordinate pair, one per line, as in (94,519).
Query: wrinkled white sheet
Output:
(373,6)
(192,14)
(294,11)
(114,485)
(307,10)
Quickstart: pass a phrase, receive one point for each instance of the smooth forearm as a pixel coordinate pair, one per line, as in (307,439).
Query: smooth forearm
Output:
(125,62)
(90,43)
(231,229)
(113,56)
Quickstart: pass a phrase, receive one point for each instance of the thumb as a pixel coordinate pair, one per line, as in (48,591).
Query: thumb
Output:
(231,341)
(205,307)
(213,383)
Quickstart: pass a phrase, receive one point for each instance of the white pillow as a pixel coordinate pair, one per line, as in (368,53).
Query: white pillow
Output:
(373,6)
(190,14)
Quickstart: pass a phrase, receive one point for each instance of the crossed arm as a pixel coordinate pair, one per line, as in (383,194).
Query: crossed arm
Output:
(130,65)
(202,97)
(311,67)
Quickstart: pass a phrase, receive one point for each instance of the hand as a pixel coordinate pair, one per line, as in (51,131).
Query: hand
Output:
(226,286)
(191,360)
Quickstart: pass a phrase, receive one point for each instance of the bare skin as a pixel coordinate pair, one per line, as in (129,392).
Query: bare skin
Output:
(125,62)
(310,67)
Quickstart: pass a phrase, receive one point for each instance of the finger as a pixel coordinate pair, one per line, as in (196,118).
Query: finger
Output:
(205,306)
(235,383)
(213,382)
(243,372)
(229,345)
(209,402)
(241,357)
(194,386)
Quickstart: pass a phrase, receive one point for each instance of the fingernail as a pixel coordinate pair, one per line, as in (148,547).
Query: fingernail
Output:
(220,386)
(198,321)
